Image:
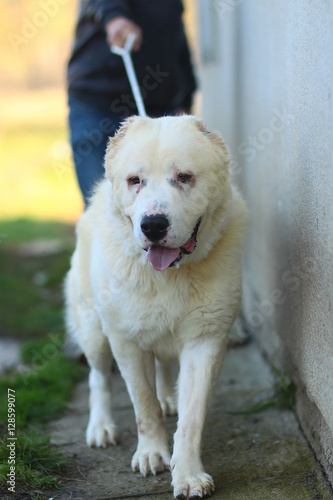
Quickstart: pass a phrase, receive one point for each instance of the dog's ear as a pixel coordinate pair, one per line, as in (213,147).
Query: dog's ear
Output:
(214,137)
(218,145)
(121,132)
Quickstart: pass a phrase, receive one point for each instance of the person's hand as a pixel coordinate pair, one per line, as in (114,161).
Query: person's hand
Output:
(118,29)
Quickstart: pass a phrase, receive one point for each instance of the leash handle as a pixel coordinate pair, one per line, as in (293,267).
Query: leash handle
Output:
(125,53)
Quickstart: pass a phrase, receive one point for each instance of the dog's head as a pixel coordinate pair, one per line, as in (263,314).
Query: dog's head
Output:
(170,182)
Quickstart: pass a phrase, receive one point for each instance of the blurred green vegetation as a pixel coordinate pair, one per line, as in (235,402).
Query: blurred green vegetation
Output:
(32,299)
(32,310)
(23,230)
(43,388)
(37,183)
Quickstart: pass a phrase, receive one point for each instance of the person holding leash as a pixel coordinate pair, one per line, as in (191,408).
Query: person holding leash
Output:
(99,93)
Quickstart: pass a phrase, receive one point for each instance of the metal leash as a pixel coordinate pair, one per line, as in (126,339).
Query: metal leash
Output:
(125,53)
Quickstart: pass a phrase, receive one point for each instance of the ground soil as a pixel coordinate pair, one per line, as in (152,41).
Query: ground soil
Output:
(251,456)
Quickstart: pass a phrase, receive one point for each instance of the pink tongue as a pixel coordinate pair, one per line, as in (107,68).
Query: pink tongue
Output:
(162,257)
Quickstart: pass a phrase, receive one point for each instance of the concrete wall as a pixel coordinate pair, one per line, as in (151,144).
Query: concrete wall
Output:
(267,84)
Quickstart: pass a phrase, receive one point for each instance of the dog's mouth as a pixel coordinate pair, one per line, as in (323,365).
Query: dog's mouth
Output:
(163,257)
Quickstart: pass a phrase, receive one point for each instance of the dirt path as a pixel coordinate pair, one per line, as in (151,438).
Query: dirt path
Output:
(262,456)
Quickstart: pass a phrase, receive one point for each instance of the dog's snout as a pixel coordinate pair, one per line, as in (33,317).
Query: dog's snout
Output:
(154,227)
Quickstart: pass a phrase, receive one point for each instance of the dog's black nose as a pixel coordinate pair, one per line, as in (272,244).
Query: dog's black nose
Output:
(154,227)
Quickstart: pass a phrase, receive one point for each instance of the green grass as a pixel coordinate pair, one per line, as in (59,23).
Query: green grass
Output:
(41,393)
(33,299)
(281,394)
(43,390)
(32,310)
(23,230)
(37,464)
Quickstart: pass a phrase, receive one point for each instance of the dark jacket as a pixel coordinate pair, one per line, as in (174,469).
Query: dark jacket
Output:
(162,64)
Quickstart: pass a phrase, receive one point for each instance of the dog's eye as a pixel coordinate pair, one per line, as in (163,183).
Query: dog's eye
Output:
(184,178)
(133,180)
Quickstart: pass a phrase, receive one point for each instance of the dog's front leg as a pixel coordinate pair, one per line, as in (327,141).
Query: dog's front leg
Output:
(200,364)
(138,370)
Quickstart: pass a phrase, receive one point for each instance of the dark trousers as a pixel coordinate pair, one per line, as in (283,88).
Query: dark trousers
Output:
(90,129)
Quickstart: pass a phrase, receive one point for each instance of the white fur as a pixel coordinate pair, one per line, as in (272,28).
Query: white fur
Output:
(115,297)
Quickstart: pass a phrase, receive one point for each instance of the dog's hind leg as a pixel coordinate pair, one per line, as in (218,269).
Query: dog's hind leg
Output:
(84,326)
(165,387)
(101,429)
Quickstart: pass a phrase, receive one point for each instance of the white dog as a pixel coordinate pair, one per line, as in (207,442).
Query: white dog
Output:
(156,275)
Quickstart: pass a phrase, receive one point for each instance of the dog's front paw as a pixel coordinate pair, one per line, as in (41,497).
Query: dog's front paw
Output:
(192,486)
(150,459)
(101,433)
